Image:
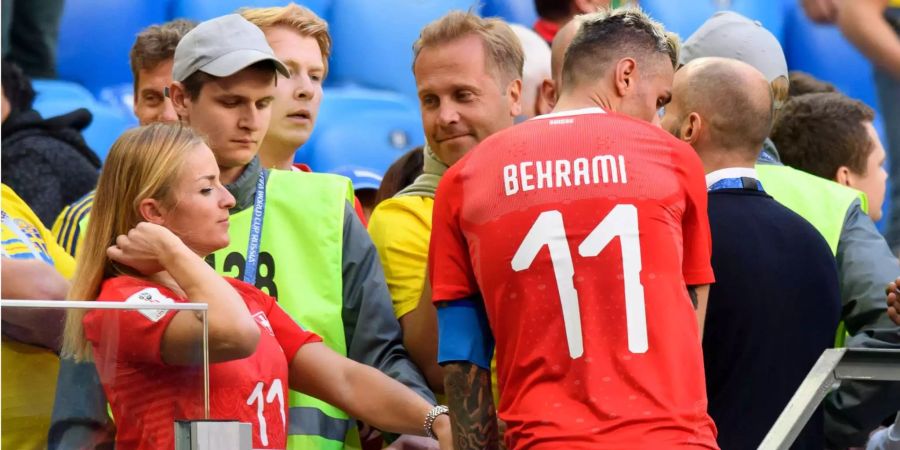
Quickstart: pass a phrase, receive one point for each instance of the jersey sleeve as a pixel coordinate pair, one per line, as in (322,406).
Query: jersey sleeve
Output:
(450,267)
(696,267)
(290,335)
(401,237)
(130,335)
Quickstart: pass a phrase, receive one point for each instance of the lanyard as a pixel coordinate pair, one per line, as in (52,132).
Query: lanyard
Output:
(22,236)
(736,183)
(256,226)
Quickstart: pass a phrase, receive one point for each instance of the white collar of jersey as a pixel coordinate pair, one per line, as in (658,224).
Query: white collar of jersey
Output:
(731,172)
(573,112)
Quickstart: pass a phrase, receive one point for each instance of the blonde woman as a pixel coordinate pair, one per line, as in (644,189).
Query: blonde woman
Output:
(158,211)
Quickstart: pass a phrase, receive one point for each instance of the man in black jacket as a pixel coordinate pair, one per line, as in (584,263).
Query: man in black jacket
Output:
(764,329)
(46,161)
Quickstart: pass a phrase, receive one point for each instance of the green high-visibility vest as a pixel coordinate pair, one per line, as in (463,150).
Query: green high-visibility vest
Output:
(300,264)
(823,203)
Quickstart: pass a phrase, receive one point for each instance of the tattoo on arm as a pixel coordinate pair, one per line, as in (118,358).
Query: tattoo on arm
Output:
(472,415)
(692,291)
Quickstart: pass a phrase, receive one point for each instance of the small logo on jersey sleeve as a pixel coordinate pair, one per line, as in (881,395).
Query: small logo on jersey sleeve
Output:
(151,295)
(263,321)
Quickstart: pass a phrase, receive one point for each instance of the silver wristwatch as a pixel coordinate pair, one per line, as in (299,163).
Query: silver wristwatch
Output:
(431,417)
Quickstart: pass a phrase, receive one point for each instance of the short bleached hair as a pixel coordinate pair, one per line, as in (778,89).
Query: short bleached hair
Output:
(607,36)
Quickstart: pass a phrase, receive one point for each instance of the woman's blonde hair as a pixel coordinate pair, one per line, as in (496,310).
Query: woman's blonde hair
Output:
(143,163)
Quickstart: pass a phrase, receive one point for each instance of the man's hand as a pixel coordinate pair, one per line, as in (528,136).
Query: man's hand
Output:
(893,301)
(820,11)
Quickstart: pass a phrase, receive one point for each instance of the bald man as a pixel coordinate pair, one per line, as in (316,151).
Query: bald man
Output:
(761,317)
(551,86)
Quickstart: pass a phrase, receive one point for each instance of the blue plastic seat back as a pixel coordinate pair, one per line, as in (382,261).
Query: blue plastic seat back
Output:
(685,17)
(822,51)
(362,128)
(119,96)
(61,90)
(95,37)
(201,10)
(513,11)
(373,39)
(105,128)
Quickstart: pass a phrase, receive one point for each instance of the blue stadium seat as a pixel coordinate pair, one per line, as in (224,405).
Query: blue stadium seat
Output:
(822,51)
(514,11)
(201,10)
(105,128)
(119,96)
(685,17)
(50,90)
(96,35)
(361,128)
(373,39)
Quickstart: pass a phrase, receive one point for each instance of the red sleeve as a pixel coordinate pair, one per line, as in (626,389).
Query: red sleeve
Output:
(449,265)
(696,236)
(357,206)
(289,334)
(130,335)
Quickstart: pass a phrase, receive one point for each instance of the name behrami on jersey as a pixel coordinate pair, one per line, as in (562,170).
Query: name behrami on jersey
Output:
(581,231)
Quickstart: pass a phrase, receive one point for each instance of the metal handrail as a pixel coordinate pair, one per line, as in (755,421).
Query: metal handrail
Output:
(834,365)
(203,308)
(71,304)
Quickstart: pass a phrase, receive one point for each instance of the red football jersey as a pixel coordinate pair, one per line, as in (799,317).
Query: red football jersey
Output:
(147,396)
(581,231)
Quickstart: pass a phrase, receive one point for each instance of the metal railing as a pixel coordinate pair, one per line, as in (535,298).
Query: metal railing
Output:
(60,304)
(834,365)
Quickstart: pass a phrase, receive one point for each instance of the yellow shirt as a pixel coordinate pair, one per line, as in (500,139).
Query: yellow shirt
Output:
(401,230)
(29,373)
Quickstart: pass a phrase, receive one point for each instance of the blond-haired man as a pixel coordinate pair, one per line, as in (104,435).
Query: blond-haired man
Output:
(468,74)
(365,331)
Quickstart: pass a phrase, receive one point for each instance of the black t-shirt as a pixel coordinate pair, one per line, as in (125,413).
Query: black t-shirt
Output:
(772,311)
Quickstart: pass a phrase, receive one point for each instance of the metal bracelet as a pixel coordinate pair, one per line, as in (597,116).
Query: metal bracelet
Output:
(432,416)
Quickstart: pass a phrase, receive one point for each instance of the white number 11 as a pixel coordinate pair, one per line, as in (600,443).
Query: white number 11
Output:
(549,230)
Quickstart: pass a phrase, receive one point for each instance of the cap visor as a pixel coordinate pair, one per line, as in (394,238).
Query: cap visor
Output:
(233,62)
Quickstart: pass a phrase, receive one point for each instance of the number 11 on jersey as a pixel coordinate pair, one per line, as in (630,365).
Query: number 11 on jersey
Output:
(549,230)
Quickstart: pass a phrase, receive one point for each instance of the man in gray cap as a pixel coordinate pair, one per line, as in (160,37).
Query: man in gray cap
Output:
(865,263)
(316,258)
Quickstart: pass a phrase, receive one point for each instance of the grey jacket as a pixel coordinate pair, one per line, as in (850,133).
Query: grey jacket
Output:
(865,266)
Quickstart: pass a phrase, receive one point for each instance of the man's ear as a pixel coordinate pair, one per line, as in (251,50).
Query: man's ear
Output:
(151,211)
(842,176)
(585,6)
(180,100)
(547,96)
(691,128)
(626,72)
(514,91)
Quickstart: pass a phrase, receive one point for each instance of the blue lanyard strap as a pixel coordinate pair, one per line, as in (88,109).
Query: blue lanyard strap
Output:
(256,226)
(737,183)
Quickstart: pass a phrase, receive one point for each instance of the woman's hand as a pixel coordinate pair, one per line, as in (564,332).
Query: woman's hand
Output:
(145,248)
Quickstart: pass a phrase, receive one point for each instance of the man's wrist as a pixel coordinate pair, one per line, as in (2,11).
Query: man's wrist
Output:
(436,421)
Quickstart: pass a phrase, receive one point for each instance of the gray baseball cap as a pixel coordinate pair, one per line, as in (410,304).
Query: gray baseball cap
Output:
(222,47)
(728,34)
